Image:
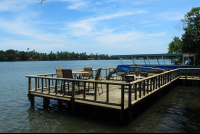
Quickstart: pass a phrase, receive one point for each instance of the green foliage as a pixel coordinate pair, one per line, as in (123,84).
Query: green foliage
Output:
(190,40)
(175,46)
(14,55)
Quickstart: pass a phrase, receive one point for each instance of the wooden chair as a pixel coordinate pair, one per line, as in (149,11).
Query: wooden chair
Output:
(109,75)
(145,74)
(59,72)
(129,79)
(90,75)
(67,73)
(97,77)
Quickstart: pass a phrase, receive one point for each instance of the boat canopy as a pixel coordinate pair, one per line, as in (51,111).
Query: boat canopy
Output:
(154,55)
(185,56)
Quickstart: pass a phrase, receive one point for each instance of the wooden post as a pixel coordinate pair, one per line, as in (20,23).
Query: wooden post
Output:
(135,91)
(63,87)
(35,84)
(139,89)
(45,81)
(84,86)
(185,74)
(45,102)
(95,91)
(42,85)
(143,87)
(38,82)
(147,86)
(107,92)
(49,85)
(163,77)
(56,88)
(32,99)
(59,105)
(151,85)
(29,85)
(52,81)
(122,103)
(156,82)
(73,95)
(129,103)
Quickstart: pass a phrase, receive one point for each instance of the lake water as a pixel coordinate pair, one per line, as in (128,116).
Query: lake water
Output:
(178,111)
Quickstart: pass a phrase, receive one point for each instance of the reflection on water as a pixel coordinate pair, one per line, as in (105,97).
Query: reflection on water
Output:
(178,111)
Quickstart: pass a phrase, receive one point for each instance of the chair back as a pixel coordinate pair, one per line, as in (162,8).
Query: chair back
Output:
(137,73)
(59,72)
(129,78)
(98,74)
(67,73)
(88,69)
(123,76)
(109,75)
(145,74)
(167,69)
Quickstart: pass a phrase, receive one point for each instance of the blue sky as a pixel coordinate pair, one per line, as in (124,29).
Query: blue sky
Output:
(110,27)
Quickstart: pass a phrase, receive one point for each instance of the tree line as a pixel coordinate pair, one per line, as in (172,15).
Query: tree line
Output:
(15,55)
(190,40)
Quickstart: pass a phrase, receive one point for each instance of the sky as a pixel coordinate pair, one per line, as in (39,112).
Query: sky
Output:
(113,27)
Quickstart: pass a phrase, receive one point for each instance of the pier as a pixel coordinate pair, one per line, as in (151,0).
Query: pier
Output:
(125,99)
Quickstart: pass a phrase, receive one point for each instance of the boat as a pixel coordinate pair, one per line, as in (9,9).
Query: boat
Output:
(186,61)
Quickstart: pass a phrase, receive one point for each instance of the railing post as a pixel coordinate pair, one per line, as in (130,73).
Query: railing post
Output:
(56,88)
(122,102)
(159,81)
(156,82)
(143,87)
(151,85)
(49,86)
(29,85)
(193,73)
(38,82)
(35,84)
(147,86)
(73,95)
(122,98)
(185,74)
(129,103)
(63,87)
(95,92)
(46,81)
(139,89)
(107,92)
(52,81)
(135,91)
(163,79)
(42,85)
(84,89)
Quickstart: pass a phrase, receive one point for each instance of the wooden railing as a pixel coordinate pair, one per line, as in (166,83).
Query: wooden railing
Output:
(140,87)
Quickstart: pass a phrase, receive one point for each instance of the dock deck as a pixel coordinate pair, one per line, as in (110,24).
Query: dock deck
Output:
(113,94)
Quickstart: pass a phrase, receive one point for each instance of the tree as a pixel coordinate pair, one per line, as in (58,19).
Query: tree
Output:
(191,38)
(175,46)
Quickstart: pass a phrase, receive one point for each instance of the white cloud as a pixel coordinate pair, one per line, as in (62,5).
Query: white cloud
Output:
(170,16)
(78,5)
(14,5)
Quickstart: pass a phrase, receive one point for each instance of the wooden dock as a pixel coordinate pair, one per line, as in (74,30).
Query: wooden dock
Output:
(127,99)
